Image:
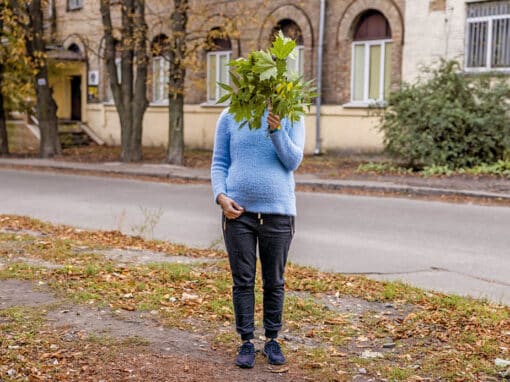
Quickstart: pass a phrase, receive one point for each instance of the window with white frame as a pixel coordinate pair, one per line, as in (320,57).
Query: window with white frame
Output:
(488,36)
(118,66)
(217,71)
(297,64)
(74,5)
(371,59)
(159,79)
(160,66)
(218,57)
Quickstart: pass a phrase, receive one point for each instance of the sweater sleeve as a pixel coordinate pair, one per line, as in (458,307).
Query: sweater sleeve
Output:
(290,143)
(221,156)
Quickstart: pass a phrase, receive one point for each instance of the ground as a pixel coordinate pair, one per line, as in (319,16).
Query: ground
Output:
(101,306)
(81,305)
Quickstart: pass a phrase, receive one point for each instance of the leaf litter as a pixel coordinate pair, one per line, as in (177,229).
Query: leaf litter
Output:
(432,335)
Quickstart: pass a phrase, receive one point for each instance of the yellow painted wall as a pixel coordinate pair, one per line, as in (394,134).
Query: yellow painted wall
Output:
(60,80)
(62,94)
(341,128)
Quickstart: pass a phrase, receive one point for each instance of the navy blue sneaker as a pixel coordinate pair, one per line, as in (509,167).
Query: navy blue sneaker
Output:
(273,352)
(246,356)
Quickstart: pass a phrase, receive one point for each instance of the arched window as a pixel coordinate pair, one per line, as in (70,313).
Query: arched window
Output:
(160,67)
(291,29)
(74,48)
(371,58)
(219,51)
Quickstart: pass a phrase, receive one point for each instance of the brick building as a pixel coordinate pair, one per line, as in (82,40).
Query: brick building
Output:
(370,46)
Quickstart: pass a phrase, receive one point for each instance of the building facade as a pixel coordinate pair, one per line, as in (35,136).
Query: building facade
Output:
(370,46)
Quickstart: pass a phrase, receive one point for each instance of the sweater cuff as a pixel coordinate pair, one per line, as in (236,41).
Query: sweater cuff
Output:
(216,194)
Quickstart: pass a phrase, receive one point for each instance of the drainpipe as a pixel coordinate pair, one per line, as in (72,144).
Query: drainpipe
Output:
(320,48)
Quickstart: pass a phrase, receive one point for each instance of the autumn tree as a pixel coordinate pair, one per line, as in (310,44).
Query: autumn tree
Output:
(28,14)
(177,75)
(184,46)
(16,71)
(129,40)
(4,146)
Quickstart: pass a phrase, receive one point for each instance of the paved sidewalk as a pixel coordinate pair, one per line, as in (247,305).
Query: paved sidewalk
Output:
(186,173)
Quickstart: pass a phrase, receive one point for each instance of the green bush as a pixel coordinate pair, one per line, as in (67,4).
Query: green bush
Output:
(449,119)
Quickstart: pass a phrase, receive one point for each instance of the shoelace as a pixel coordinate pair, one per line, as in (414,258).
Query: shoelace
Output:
(245,349)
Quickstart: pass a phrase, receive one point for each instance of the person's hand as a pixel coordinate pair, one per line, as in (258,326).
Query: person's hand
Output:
(230,208)
(273,121)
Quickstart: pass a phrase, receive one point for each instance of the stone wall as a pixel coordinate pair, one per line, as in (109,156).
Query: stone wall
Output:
(434,29)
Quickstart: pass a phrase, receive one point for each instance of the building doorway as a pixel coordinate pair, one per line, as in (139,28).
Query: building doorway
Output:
(76,98)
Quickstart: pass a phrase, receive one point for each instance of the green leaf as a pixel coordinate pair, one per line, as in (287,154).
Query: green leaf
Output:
(224,98)
(235,79)
(263,77)
(268,74)
(225,86)
(282,46)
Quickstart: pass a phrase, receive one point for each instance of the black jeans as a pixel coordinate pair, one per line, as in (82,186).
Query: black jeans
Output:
(273,233)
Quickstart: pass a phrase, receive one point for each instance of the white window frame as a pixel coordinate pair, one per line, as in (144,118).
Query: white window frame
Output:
(74,5)
(298,65)
(218,53)
(487,67)
(366,91)
(50,8)
(163,80)
(110,99)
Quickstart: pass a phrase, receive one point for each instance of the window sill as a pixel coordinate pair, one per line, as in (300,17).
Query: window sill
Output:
(365,105)
(214,105)
(488,71)
(159,103)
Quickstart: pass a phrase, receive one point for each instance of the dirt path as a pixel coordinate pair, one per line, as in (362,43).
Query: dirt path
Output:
(155,353)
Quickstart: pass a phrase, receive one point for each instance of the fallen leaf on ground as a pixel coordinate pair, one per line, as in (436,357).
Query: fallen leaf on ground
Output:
(279,370)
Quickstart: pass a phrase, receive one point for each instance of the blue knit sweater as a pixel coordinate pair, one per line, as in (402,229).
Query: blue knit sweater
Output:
(255,168)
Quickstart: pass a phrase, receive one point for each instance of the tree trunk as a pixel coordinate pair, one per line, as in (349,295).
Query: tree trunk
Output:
(47,115)
(140,101)
(46,105)
(177,74)
(4,144)
(176,131)
(130,91)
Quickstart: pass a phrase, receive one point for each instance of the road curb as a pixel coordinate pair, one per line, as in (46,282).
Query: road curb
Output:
(410,190)
(326,185)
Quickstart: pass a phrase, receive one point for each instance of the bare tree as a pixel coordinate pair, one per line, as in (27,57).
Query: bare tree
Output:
(30,16)
(177,75)
(186,45)
(130,91)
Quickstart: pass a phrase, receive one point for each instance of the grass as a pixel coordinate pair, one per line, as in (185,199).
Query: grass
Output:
(500,168)
(448,336)
(400,374)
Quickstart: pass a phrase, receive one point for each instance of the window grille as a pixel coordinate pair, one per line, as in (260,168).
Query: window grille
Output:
(488,36)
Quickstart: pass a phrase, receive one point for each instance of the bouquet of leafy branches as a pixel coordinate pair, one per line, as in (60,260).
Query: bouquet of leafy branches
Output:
(262,80)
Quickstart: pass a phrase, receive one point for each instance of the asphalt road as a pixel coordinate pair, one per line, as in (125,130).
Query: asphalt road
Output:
(463,249)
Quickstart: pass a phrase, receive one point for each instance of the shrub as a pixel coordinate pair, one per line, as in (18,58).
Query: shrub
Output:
(449,119)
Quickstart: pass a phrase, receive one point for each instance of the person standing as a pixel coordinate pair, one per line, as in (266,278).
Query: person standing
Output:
(252,176)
